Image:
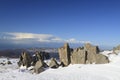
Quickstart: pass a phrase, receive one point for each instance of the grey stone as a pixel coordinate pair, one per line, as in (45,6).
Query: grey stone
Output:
(101,59)
(53,63)
(39,56)
(88,54)
(39,67)
(64,54)
(91,52)
(78,56)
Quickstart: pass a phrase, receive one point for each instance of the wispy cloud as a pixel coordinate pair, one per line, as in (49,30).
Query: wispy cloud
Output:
(17,38)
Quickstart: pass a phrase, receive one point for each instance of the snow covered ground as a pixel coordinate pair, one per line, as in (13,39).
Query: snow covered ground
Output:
(109,71)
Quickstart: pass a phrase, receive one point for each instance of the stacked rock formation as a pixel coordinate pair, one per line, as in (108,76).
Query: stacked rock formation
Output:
(64,54)
(37,61)
(86,55)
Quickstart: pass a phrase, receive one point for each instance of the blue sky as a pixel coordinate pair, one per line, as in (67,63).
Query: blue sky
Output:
(75,21)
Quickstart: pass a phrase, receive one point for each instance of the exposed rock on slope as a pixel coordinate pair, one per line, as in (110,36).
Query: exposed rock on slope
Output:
(53,63)
(64,54)
(86,55)
(25,60)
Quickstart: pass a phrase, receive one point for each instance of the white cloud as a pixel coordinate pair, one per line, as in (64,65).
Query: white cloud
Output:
(72,40)
(31,38)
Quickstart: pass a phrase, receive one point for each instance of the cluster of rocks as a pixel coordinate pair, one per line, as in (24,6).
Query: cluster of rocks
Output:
(4,63)
(84,55)
(37,61)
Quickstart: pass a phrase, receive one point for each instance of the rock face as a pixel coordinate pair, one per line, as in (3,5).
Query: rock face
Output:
(53,63)
(92,51)
(86,55)
(64,54)
(25,60)
(78,56)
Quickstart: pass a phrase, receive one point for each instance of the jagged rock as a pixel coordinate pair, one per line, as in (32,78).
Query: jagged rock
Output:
(53,63)
(86,55)
(78,56)
(25,60)
(101,59)
(8,62)
(39,67)
(64,54)
(39,56)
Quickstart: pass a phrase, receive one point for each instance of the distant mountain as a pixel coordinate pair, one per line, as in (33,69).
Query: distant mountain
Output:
(15,53)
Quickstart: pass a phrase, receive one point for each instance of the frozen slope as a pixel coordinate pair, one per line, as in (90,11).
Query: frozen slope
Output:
(109,71)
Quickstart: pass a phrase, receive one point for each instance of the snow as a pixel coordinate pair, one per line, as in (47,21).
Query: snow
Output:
(110,71)
(106,53)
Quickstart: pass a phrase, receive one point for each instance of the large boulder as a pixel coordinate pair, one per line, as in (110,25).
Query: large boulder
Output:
(91,52)
(78,56)
(64,54)
(53,63)
(39,66)
(101,59)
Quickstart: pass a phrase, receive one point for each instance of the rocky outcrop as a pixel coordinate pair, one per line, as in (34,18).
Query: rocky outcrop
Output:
(37,61)
(39,66)
(78,56)
(101,59)
(53,63)
(64,54)
(91,51)
(85,55)
(25,60)
(36,58)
